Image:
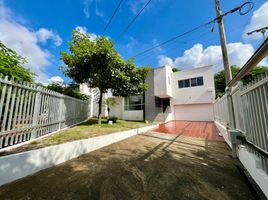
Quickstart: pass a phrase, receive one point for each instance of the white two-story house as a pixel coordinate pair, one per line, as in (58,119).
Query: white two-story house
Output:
(183,95)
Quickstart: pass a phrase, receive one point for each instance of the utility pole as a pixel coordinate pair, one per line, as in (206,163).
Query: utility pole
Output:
(227,70)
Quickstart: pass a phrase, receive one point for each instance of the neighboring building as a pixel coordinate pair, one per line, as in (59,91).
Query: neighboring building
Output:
(183,95)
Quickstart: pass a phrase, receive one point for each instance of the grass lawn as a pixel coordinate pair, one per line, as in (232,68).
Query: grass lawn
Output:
(88,129)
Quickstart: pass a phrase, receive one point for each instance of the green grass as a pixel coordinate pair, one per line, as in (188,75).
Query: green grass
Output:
(88,129)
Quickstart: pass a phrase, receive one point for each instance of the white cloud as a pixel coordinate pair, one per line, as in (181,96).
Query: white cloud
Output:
(24,41)
(87,4)
(164,60)
(258,20)
(135,6)
(97,11)
(198,56)
(83,30)
(43,35)
(56,79)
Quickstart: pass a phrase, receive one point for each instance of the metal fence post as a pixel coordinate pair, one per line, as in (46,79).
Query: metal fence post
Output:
(231,120)
(60,112)
(37,105)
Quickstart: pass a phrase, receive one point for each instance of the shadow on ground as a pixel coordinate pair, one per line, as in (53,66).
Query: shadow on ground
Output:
(148,166)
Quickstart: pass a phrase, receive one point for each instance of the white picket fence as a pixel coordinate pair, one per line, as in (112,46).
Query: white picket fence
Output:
(28,111)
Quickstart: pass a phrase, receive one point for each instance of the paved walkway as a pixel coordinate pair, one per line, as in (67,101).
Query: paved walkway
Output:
(206,130)
(149,166)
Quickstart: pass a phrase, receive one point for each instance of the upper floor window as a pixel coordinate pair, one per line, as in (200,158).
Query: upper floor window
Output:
(198,81)
(134,102)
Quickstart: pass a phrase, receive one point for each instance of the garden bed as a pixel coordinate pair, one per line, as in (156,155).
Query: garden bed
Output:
(88,129)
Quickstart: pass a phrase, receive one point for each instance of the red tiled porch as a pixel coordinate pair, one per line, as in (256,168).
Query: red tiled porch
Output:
(206,130)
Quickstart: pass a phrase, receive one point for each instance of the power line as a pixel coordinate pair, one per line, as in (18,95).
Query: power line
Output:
(260,30)
(187,41)
(111,18)
(133,20)
(247,4)
(170,45)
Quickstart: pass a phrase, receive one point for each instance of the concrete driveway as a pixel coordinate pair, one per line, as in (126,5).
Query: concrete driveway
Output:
(148,166)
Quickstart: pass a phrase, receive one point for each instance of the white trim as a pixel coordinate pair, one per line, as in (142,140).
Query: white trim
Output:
(16,166)
(224,133)
(41,137)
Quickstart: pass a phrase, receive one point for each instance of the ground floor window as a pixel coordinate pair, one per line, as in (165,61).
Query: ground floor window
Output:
(134,102)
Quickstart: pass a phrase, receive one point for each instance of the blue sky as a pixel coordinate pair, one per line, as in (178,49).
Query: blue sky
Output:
(39,30)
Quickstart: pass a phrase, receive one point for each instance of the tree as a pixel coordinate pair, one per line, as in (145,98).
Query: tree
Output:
(11,65)
(71,90)
(111,101)
(220,78)
(54,86)
(97,63)
(174,69)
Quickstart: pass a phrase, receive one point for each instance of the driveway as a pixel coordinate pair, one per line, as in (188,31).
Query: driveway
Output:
(205,130)
(148,166)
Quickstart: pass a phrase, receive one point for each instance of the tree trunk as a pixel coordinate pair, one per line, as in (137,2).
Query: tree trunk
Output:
(108,110)
(100,108)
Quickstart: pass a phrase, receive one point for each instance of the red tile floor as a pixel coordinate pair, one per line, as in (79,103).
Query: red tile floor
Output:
(206,130)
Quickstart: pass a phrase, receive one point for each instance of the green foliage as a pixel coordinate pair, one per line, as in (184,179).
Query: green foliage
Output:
(111,101)
(74,91)
(113,119)
(71,90)
(98,64)
(220,78)
(11,65)
(175,69)
(57,87)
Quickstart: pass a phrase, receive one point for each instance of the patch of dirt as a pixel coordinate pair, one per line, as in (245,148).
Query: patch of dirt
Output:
(148,166)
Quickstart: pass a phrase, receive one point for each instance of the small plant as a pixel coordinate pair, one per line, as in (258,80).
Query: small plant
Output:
(113,119)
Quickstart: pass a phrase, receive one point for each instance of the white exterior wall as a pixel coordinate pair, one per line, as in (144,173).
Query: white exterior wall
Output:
(117,110)
(162,82)
(194,95)
(194,112)
(193,103)
(197,101)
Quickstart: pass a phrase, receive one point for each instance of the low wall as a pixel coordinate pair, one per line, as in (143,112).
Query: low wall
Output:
(255,167)
(224,133)
(16,166)
(251,162)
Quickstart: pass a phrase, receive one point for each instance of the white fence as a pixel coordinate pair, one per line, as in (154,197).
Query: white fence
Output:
(250,105)
(28,111)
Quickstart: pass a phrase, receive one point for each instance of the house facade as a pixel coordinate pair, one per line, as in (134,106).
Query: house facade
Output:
(183,95)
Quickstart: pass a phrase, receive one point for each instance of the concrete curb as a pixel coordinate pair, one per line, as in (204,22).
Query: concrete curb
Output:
(224,133)
(16,166)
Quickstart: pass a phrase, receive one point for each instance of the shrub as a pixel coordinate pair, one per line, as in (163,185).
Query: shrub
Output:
(113,119)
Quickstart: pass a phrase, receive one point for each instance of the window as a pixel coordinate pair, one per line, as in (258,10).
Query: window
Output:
(184,83)
(198,81)
(134,102)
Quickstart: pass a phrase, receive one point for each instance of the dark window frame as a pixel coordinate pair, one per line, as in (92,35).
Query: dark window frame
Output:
(191,82)
(130,106)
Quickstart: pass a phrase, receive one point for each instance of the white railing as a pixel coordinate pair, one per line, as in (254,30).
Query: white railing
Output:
(250,105)
(28,111)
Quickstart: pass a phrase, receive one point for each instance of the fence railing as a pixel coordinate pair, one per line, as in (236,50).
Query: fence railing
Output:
(250,105)
(28,111)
